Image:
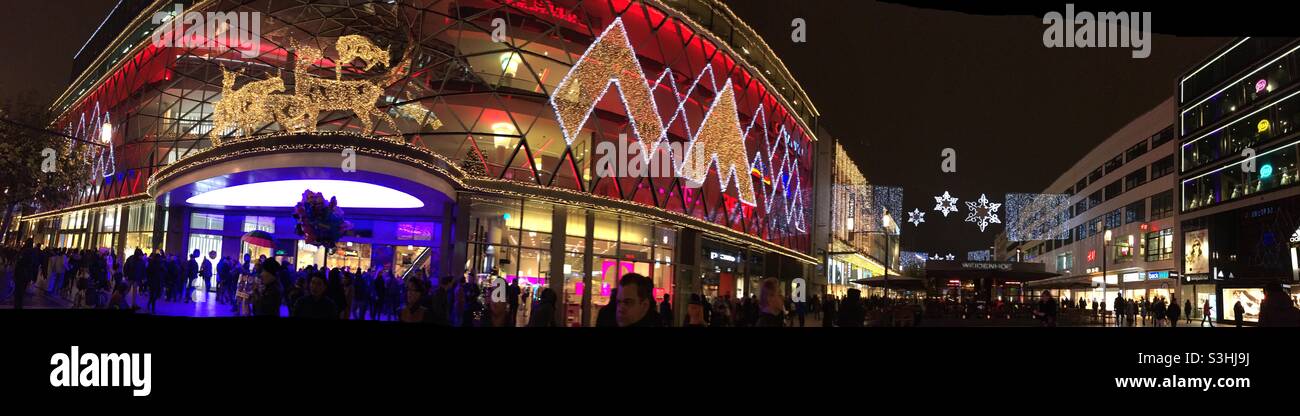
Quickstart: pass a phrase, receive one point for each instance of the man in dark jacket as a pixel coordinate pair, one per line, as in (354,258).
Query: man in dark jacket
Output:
(205,270)
(191,272)
(223,279)
(1277,308)
(157,273)
(606,317)
(173,278)
(317,305)
(828,312)
(1173,312)
(135,272)
(1237,312)
(25,272)
(666,311)
(636,302)
(512,299)
(851,313)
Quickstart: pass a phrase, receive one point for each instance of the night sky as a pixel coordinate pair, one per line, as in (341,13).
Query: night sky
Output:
(896,83)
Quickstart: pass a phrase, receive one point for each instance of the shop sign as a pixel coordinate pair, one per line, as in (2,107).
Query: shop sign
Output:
(713,255)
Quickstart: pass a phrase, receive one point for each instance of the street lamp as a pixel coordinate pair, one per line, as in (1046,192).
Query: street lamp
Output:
(887,222)
(1105,246)
(106,133)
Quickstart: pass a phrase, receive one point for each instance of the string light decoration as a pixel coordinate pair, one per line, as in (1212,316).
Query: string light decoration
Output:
(945,204)
(415,111)
(916,217)
(912,259)
(885,199)
(609,60)
(1295,236)
(89,128)
(720,141)
(353,47)
(982,212)
(948,257)
(1037,216)
(261,102)
(979,255)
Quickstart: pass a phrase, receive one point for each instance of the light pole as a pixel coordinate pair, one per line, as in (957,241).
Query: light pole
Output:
(887,221)
(1105,246)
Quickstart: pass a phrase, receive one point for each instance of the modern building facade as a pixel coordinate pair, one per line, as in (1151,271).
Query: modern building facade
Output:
(592,139)
(858,233)
(1239,207)
(1123,188)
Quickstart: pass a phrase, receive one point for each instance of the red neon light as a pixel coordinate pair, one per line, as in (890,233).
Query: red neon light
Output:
(1092,255)
(545,7)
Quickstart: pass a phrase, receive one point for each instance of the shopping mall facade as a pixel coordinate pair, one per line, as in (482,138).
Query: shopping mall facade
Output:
(454,151)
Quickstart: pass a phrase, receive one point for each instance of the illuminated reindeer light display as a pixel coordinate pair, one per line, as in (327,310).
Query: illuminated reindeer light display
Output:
(262,102)
(353,47)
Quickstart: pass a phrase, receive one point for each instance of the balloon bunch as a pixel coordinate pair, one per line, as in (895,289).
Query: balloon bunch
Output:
(320,223)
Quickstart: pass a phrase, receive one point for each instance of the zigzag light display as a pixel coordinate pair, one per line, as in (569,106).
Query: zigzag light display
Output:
(718,141)
(88,129)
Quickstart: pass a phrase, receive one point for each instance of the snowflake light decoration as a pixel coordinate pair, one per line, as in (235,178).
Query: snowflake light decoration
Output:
(950,257)
(945,204)
(983,213)
(1295,237)
(916,217)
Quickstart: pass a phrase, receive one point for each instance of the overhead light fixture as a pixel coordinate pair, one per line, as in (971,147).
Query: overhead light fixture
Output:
(288,193)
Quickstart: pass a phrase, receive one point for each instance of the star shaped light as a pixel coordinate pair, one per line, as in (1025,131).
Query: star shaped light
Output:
(945,204)
(983,213)
(916,217)
(950,257)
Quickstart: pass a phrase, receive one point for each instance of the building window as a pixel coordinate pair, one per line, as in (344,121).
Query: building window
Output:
(1160,245)
(1162,167)
(1114,163)
(259,223)
(1113,219)
(1094,176)
(1163,136)
(1083,183)
(1162,205)
(1135,212)
(1136,179)
(1094,200)
(1114,189)
(1080,208)
(1096,227)
(200,221)
(1135,151)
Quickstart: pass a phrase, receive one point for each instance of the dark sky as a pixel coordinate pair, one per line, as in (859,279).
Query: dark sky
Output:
(898,84)
(38,40)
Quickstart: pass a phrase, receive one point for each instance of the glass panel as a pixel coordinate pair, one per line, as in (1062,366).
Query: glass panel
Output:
(537,216)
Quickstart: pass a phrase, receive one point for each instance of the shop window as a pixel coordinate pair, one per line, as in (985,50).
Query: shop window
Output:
(415,231)
(202,221)
(1160,245)
(259,223)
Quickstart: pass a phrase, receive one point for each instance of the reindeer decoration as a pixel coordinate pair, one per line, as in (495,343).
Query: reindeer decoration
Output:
(262,102)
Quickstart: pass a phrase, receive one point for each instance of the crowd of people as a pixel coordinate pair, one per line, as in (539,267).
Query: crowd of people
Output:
(267,287)
(1277,309)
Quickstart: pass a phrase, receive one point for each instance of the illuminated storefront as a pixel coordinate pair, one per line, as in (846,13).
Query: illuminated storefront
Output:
(471,157)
